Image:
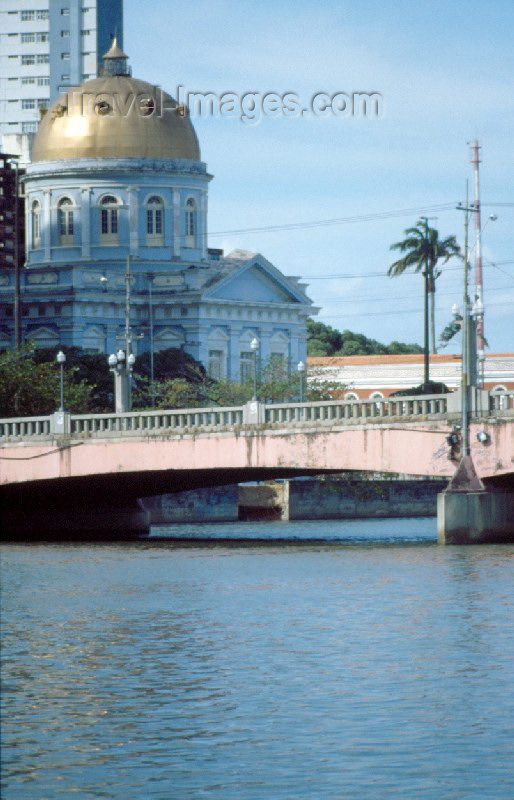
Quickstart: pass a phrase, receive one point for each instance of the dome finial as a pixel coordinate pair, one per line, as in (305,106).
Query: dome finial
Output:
(115,60)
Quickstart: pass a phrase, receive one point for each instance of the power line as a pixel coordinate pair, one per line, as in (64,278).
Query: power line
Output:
(350,219)
(394,311)
(330,276)
(338,220)
(380,298)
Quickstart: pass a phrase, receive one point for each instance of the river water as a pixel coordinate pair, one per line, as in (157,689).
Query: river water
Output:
(350,659)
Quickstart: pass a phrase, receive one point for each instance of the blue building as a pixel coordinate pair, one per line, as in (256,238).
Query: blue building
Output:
(116,234)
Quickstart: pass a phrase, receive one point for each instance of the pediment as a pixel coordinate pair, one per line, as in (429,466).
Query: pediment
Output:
(255,281)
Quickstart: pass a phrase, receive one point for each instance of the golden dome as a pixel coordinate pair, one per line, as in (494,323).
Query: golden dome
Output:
(115,116)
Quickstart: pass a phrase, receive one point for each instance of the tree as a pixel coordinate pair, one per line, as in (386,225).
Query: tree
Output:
(168,365)
(432,387)
(424,250)
(29,388)
(87,368)
(326,341)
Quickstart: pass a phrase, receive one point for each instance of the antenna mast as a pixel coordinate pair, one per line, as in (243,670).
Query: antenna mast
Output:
(479,298)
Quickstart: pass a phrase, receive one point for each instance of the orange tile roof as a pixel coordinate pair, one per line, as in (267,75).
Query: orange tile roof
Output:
(411,358)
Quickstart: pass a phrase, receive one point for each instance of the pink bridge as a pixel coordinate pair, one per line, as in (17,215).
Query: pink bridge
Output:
(99,462)
(73,475)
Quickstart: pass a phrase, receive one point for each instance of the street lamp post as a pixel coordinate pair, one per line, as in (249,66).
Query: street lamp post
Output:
(61,359)
(471,369)
(254,344)
(121,367)
(301,373)
(150,321)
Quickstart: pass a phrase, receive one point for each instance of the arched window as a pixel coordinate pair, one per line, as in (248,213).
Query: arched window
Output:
(351,397)
(109,221)
(154,221)
(65,218)
(36,224)
(379,405)
(190,222)
(501,397)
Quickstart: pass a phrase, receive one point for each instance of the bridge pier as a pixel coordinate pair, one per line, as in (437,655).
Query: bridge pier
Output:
(475,517)
(469,514)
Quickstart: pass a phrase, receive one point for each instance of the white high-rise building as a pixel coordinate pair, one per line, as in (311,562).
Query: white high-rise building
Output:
(47,47)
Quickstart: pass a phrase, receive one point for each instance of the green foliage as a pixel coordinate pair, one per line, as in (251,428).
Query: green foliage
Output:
(276,384)
(424,250)
(170,363)
(29,387)
(319,391)
(179,393)
(179,381)
(173,369)
(87,368)
(451,330)
(228,393)
(432,387)
(326,341)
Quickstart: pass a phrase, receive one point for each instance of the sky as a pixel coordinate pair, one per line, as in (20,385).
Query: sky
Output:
(324,197)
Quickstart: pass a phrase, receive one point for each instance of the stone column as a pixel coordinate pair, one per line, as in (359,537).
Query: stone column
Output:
(46,227)
(176,223)
(233,356)
(85,201)
(203,343)
(133,220)
(202,211)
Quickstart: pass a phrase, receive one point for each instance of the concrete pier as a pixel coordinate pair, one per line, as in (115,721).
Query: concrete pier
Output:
(467,513)
(475,517)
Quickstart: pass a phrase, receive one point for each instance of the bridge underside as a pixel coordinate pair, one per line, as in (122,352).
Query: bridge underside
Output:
(107,506)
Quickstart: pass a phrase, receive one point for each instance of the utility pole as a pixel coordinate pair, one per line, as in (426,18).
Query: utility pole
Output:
(128,337)
(465,374)
(479,299)
(426,370)
(150,277)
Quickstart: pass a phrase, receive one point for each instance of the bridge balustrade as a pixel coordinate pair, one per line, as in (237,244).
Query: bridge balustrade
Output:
(208,419)
(140,422)
(25,427)
(337,410)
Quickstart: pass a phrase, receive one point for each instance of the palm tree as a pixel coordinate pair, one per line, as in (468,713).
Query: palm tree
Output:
(423,250)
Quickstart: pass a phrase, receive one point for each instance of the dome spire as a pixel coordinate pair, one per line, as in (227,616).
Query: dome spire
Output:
(115,60)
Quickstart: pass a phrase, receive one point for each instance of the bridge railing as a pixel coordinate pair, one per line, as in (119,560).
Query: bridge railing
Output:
(164,422)
(25,427)
(340,410)
(141,422)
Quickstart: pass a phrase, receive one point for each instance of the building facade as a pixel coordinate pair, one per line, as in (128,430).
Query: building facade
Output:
(116,236)
(377,377)
(12,213)
(46,48)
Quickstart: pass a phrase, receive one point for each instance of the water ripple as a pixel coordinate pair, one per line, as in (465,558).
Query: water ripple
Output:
(163,670)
